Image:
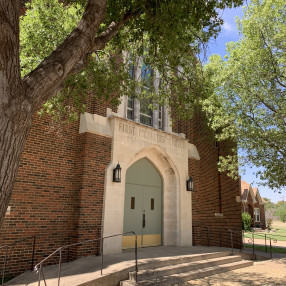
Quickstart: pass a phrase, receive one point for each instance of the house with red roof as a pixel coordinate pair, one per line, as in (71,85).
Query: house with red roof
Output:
(253,203)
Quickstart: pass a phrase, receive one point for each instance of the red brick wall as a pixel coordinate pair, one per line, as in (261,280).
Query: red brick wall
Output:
(95,156)
(262,217)
(261,223)
(249,208)
(98,106)
(58,194)
(45,195)
(214,192)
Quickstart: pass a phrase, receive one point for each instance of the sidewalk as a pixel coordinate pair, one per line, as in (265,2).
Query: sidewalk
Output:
(269,272)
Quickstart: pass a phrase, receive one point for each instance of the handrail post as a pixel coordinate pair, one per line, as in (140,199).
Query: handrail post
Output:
(33,253)
(265,244)
(136,258)
(193,233)
(101,246)
(69,248)
(60,265)
(4,266)
(242,239)
(39,279)
(208,236)
(252,241)
(44,277)
(270,248)
(231,239)
(98,243)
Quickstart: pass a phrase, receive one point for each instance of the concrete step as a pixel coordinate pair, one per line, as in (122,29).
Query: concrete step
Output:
(180,268)
(258,229)
(164,261)
(195,273)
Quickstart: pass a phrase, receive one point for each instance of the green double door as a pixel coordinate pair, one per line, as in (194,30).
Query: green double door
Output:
(143,205)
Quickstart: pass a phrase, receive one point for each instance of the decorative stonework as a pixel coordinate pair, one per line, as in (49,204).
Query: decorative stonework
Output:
(168,152)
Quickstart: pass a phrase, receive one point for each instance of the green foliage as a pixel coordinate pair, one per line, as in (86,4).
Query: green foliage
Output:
(248,92)
(43,27)
(269,205)
(246,221)
(281,212)
(166,34)
(279,204)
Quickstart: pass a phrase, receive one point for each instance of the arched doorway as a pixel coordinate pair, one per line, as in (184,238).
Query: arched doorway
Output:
(143,205)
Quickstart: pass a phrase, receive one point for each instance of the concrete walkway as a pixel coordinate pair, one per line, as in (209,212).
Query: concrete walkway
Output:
(262,273)
(81,271)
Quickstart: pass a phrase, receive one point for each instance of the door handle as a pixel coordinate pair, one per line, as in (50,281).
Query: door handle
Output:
(144,221)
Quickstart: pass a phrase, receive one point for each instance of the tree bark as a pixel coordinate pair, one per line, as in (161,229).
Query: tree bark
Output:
(15,107)
(14,130)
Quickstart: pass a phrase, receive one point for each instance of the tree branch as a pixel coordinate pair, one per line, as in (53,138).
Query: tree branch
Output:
(273,60)
(72,55)
(42,82)
(101,40)
(262,134)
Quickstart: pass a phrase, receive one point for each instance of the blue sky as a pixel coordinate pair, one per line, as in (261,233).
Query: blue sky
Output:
(229,33)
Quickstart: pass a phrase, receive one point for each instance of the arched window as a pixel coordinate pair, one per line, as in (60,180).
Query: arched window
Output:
(144,110)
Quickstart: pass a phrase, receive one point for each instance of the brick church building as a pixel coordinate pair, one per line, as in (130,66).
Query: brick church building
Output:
(65,191)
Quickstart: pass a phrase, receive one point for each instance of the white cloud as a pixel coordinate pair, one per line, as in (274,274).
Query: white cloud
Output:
(228,28)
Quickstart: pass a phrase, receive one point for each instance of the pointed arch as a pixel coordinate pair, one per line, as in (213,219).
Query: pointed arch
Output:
(170,181)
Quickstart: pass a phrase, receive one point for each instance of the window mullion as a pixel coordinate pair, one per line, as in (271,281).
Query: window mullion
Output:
(137,74)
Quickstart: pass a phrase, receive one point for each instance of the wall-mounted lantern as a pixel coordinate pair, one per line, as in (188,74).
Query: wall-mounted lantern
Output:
(190,184)
(117,174)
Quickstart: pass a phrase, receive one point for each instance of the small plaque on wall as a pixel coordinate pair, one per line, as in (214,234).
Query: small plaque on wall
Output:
(218,214)
(238,199)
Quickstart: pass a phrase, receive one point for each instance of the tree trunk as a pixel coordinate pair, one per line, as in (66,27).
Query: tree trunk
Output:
(15,107)
(14,130)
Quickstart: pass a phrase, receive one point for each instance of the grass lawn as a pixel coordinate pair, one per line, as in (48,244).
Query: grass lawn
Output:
(280,233)
(262,248)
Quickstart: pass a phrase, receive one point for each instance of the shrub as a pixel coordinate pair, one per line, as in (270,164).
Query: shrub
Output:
(269,219)
(281,212)
(246,221)
(269,223)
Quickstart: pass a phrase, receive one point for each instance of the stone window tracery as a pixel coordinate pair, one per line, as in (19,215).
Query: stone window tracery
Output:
(139,110)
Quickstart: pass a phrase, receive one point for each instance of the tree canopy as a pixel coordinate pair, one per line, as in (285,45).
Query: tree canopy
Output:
(60,55)
(166,34)
(248,92)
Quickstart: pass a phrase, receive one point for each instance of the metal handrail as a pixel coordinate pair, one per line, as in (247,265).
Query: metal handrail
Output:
(16,241)
(231,238)
(6,253)
(252,240)
(207,233)
(38,269)
(274,240)
(266,237)
(6,246)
